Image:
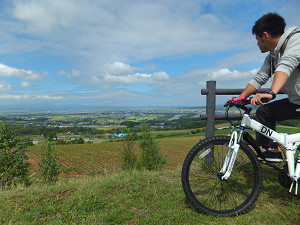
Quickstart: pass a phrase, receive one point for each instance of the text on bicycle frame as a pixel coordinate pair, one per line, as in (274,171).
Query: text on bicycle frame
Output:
(266,130)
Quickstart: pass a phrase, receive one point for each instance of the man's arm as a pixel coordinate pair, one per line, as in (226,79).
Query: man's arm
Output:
(249,90)
(280,79)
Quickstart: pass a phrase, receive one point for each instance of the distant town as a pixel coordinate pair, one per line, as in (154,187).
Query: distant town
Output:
(86,126)
(102,119)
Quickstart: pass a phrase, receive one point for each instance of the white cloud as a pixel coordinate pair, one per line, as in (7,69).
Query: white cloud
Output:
(18,97)
(96,33)
(7,71)
(118,68)
(109,31)
(4,86)
(42,17)
(122,73)
(160,76)
(225,74)
(25,84)
(155,78)
(110,43)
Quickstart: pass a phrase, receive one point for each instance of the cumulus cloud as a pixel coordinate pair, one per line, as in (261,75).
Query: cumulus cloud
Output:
(111,42)
(136,78)
(7,71)
(128,79)
(225,74)
(122,73)
(104,30)
(94,33)
(118,68)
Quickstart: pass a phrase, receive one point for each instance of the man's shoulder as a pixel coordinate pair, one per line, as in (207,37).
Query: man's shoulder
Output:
(291,35)
(292,32)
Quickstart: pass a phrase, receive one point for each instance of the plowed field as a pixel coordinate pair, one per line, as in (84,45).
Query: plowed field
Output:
(97,158)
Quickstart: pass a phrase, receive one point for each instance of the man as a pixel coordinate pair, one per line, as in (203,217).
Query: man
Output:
(285,70)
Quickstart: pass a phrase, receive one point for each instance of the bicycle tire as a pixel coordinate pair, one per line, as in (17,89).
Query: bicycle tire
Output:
(208,193)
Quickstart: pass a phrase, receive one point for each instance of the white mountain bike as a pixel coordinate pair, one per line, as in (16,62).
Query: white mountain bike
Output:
(222,175)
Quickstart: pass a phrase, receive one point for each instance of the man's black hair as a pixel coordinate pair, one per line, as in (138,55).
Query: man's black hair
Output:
(272,23)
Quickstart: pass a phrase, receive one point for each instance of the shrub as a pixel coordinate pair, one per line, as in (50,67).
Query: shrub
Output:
(49,166)
(129,159)
(150,158)
(13,169)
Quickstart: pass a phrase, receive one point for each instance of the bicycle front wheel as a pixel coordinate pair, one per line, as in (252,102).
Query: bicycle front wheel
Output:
(202,182)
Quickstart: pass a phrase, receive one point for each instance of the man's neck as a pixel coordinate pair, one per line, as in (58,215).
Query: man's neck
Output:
(273,43)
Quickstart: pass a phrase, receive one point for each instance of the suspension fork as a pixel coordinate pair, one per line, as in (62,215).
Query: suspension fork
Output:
(233,147)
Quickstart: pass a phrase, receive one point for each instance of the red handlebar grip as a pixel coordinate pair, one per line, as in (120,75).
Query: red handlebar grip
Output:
(238,99)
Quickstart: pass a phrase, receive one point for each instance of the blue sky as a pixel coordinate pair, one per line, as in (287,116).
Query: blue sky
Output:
(109,53)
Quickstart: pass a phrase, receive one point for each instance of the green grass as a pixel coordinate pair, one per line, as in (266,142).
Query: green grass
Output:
(135,197)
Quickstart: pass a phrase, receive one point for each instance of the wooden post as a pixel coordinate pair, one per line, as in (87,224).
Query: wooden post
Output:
(210,108)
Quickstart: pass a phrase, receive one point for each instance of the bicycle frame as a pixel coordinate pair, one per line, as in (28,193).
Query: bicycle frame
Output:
(290,142)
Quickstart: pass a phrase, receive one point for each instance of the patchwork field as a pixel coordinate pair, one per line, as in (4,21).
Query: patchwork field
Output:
(100,157)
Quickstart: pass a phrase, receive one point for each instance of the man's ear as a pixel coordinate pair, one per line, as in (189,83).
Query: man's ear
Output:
(266,36)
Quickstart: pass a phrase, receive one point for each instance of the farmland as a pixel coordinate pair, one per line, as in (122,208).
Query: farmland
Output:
(175,130)
(103,157)
(109,195)
(96,119)
(98,125)
(100,135)
(98,158)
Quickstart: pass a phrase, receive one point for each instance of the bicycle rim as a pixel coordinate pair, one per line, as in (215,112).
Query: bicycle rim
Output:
(207,192)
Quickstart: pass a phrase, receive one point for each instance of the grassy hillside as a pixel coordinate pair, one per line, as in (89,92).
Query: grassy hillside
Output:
(136,197)
(107,195)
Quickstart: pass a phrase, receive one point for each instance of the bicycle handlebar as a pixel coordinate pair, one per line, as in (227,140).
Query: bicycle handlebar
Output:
(238,102)
(241,102)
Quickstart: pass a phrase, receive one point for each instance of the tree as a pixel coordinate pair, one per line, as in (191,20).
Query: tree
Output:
(150,158)
(80,141)
(129,159)
(13,169)
(49,166)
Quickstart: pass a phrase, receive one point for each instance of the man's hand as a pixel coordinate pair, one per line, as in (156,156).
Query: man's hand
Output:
(233,100)
(257,99)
